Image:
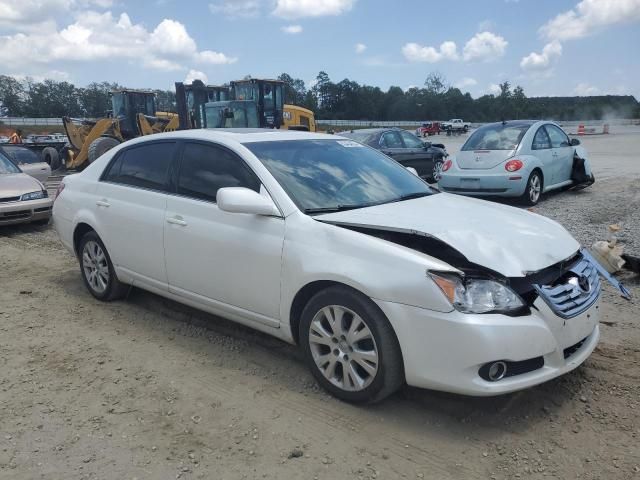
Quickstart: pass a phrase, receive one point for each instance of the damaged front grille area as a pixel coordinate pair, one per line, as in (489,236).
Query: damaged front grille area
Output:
(574,292)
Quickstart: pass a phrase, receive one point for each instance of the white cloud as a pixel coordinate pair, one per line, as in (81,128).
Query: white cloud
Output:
(466,83)
(236,8)
(590,16)
(484,46)
(360,48)
(28,14)
(418,53)
(584,90)
(542,61)
(291,9)
(101,36)
(494,89)
(196,75)
(292,29)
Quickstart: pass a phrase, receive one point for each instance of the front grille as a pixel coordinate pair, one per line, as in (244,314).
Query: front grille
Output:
(573,348)
(9,199)
(15,215)
(573,292)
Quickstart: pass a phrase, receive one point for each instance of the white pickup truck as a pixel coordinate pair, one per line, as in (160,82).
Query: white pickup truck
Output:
(455,125)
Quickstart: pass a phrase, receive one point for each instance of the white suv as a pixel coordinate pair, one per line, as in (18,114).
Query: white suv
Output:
(324,242)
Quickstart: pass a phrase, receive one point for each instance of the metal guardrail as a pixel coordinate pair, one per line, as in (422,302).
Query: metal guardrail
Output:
(21,121)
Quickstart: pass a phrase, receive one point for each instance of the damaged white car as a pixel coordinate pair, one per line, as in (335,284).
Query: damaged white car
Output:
(323,242)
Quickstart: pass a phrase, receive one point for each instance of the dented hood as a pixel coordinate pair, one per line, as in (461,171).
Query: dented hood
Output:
(508,240)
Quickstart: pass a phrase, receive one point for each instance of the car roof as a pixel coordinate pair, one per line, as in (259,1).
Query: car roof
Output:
(239,135)
(515,123)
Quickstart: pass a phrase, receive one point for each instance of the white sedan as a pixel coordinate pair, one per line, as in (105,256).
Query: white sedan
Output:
(329,244)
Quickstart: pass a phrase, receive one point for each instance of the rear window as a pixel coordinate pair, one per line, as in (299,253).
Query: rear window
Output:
(362,137)
(144,166)
(496,137)
(22,155)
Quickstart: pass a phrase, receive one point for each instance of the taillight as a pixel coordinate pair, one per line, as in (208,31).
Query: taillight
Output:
(447,165)
(59,190)
(513,165)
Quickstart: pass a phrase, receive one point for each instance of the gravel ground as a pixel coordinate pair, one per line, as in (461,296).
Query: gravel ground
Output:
(148,389)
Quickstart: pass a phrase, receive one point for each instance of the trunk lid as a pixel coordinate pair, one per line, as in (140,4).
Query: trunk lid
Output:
(482,159)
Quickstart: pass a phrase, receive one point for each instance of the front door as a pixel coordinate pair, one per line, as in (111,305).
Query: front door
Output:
(418,156)
(541,148)
(227,260)
(562,152)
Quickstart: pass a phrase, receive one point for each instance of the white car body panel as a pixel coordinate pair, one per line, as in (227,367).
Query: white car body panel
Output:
(250,268)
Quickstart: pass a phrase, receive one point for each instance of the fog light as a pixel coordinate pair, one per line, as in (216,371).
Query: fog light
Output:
(497,371)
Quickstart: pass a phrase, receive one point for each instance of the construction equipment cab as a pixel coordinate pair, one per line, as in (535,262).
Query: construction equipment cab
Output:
(191,100)
(268,96)
(298,118)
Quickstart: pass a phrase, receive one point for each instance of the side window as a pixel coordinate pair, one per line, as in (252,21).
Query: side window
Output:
(411,141)
(207,168)
(391,140)
(541,140)
(145,166)
(557,136)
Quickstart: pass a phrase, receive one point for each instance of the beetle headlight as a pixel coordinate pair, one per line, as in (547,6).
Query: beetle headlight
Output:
(34,195)
(477,295)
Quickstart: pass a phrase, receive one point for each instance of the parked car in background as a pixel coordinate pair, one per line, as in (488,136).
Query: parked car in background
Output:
(4,139)
(428,129)
(23,199)
(404,147)
(29,161)
(321,241)
(455,125)
(519,158)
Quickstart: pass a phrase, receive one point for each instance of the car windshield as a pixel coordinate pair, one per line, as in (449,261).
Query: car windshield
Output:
(22,155)
(332,175)
(496,137)
(7,166)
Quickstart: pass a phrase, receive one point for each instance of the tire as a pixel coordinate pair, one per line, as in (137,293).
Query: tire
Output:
(101,145)
(93,257)
(436,173)
(52,157)
(466,129)
(377,348)
(535,182)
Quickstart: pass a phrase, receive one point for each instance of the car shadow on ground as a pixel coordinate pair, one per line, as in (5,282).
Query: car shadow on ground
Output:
(21,229)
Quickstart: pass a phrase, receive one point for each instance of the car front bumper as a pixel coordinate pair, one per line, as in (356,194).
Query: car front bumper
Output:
(476,183)
(12,213)
(445,351)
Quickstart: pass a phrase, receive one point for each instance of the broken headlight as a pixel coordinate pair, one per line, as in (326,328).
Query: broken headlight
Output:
(477,295)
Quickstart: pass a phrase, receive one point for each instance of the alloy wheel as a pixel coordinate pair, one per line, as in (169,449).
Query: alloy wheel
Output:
(437,171)
(343,348)
(534,188)
(95,267)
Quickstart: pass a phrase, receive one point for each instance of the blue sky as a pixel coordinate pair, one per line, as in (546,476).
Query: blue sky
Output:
(561,47)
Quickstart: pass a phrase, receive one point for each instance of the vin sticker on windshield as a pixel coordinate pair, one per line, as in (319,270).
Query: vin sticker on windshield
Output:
(350,144)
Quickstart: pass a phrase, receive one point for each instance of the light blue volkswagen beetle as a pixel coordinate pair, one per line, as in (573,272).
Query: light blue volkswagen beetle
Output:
(518,158)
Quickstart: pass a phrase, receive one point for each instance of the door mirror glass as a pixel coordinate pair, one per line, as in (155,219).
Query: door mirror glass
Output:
(245,200)
(427,145)
(575,142)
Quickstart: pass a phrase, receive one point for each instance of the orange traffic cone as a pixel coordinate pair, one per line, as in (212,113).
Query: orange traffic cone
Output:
(580,129)
(605,128)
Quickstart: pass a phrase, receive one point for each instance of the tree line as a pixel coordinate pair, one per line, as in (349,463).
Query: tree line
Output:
(347,99)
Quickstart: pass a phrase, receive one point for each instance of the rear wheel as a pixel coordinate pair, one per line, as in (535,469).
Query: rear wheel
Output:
(100,146)
(533,190)
(350,346)
(97,270)
(437,170)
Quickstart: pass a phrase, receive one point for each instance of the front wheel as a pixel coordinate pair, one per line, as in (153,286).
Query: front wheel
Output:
(533,190)
(350,346)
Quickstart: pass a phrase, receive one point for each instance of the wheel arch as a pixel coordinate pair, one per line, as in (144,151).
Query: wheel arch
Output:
(80,231)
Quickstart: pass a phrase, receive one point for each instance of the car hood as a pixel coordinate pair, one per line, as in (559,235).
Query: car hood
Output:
(507,240)
(16,184)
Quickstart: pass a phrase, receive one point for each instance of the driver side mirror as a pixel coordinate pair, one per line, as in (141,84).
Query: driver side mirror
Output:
(245,200)
(575,142)
(413,170)
(427,145)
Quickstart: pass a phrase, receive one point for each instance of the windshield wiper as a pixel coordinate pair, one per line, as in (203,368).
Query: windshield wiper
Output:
(337,208)
(410,196)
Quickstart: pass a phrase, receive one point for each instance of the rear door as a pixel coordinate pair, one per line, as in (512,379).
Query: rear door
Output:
(131,199)
(391,144)
(562,152)
(541,148)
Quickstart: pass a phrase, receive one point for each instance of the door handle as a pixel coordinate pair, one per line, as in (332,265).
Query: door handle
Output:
(177,220)
(103,203)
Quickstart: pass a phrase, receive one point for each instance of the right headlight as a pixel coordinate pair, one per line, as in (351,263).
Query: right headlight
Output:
(477,295)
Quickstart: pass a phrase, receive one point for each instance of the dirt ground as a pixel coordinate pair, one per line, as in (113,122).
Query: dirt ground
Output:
(148,389)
